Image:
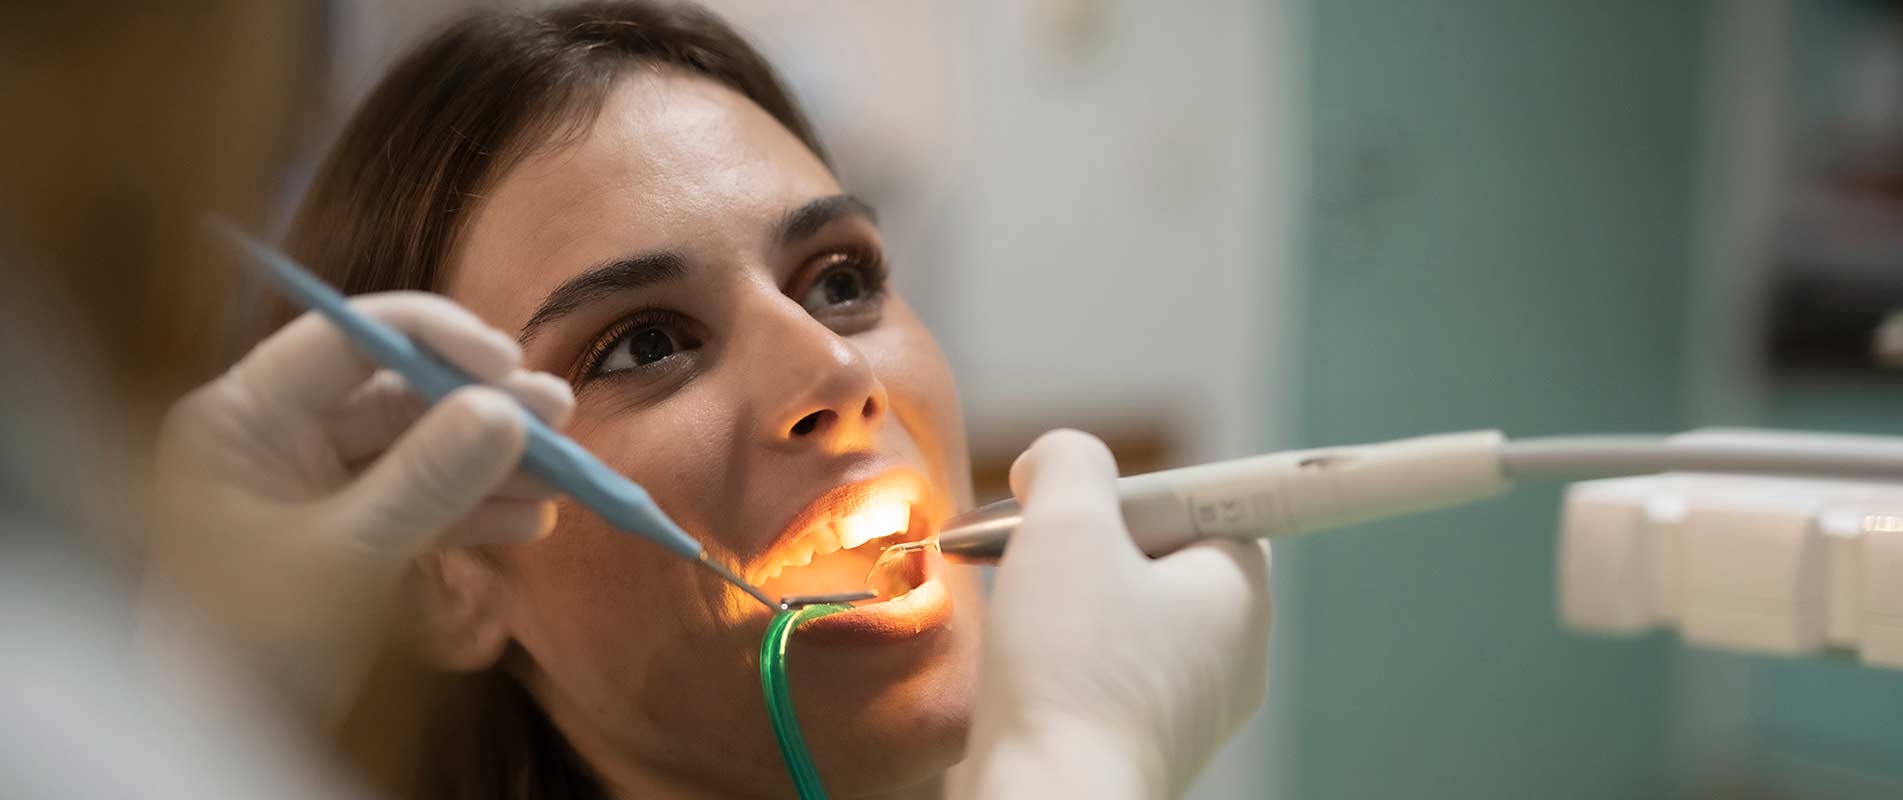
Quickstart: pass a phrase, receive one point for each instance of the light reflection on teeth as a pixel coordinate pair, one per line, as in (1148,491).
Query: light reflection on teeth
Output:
(879,518)
(876,520)
(824,540)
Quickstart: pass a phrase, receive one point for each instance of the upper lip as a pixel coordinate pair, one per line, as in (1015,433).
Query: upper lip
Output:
(840,502)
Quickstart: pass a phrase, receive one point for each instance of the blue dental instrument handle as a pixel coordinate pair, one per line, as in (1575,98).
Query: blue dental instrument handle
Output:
(555,458)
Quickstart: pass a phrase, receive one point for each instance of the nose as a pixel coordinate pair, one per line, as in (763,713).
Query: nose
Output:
(824,394)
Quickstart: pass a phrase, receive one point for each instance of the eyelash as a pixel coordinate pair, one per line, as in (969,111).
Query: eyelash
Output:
(614,336)
(871,266)
(872,270)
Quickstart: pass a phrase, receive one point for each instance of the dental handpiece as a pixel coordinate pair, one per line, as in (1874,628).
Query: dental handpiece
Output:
(554,458)
(1289,493)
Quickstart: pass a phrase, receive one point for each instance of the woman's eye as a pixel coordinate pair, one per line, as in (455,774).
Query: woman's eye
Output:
(840,285)
(639,348)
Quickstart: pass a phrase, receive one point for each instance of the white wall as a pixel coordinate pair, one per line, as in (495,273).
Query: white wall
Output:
(1113,254)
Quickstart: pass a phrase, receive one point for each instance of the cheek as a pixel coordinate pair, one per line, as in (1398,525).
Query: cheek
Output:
(924,397)
(626,659)
(685,451)
(584,581)
(588,577)
(625,639)
(588,570)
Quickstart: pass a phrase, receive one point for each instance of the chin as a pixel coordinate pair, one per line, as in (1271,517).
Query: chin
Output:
(897,750)
(887,727)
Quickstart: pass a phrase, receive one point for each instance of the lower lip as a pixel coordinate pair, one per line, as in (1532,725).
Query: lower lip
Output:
(924,609)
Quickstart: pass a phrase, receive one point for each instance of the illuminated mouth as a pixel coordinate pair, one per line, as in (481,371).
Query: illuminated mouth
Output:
(838,547)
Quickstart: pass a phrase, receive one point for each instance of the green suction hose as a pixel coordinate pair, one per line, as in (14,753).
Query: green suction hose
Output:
(779,697)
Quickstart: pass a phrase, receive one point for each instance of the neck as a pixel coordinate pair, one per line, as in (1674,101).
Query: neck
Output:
(640,783)
(629,779)
(645,785)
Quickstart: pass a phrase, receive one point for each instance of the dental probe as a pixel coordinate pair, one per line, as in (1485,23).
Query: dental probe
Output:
(554,458)
(793,601)
(1301,491)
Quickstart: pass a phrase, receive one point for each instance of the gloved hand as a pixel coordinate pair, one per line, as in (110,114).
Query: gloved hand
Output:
(1105,673)
(301,485)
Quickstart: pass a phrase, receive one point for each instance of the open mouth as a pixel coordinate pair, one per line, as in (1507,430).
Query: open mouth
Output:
(839,544)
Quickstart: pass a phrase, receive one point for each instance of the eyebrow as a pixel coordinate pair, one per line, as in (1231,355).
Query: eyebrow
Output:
(619,275)
(647,269)
(808,219)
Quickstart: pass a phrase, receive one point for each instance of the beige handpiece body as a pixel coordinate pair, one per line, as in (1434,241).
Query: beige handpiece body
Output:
(1275,495)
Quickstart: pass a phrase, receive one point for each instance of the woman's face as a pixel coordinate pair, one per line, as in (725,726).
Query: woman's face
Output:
(737,348)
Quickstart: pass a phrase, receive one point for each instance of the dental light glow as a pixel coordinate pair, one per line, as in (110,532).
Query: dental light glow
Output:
(818,561)
(881,517)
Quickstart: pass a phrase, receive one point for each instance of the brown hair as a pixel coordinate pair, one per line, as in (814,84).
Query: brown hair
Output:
(389,204)
(385,212)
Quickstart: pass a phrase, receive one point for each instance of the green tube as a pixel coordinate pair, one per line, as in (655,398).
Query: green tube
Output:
(779,697)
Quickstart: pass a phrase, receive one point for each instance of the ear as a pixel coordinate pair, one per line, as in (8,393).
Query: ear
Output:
(461,626)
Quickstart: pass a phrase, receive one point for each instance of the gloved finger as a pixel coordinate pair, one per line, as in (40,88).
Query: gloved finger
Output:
(502,521)
(549,397)
(369,420)
(441,469)
(1226,574)
(310,365)
(526,486)
(384,406)
(1222,585)
(1064,465)
(1066,483)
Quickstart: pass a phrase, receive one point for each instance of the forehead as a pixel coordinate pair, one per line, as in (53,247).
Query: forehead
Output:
(672,161)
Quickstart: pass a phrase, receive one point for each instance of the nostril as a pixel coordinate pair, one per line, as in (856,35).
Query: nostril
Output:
(870,409)
(810,423)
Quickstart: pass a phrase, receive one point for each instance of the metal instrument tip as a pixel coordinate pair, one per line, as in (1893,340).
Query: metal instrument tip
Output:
(729,576)
(800,601)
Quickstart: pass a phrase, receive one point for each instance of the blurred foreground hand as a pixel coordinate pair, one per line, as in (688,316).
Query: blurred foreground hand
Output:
(1105,673)
(301,484)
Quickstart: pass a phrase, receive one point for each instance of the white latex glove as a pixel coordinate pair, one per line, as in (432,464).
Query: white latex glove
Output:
(302,484)
(1107,674)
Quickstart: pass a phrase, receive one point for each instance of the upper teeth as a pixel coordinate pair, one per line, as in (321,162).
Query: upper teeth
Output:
(878,518)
